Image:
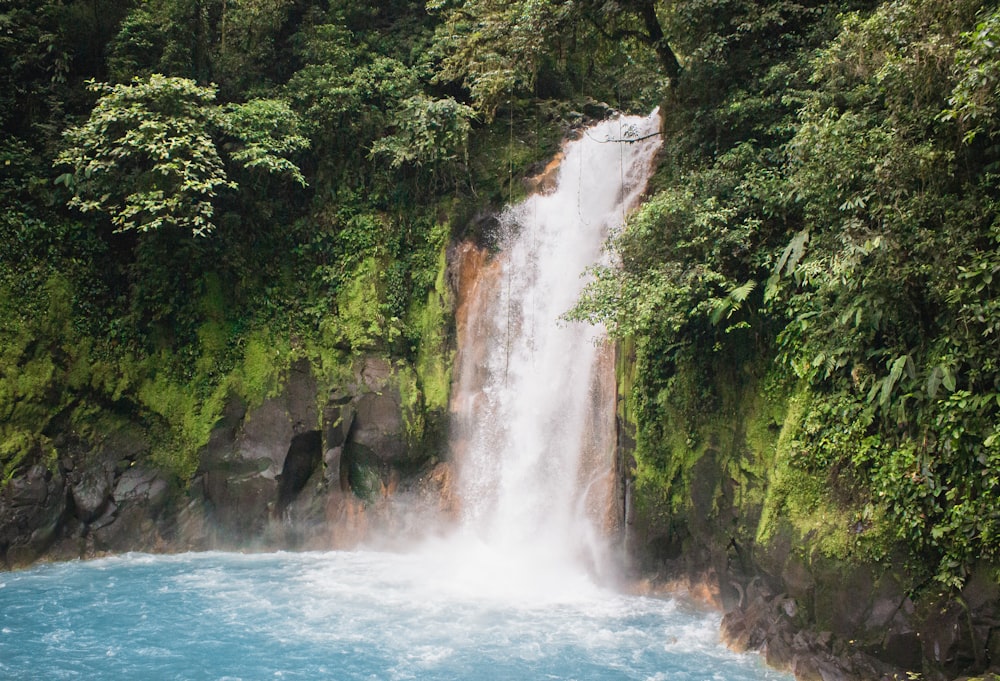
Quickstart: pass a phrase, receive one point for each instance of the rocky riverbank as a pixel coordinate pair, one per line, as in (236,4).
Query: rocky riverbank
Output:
(820,617)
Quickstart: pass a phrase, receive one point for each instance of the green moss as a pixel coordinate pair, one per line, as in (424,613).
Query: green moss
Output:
(363,473)
(331,365)
(509,150)
(434,354)
(360,323)
(183,409)
(800,501)
(265,356)
(16,445)
(625,372)
(411,403)
(672,436)
(738,455)
(185,421)
(42,362)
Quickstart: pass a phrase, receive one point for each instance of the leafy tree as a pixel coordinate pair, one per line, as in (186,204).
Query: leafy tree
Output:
(897,206)
(248,54)
(427,132)
(347,98)
(263,133)
(172,37)
(977,64)
(835,210)
(148,156)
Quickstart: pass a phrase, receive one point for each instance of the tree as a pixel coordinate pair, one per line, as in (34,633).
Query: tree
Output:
(495,48)
(428,132)
(149,155)
(977,66)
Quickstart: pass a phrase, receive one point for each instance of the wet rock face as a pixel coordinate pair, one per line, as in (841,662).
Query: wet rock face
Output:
(819,617)
(284,473)
(91,495)
(279,475)
(31,510)
(771,623)
(862,621)
(378,426)
(93,500)
(302,460)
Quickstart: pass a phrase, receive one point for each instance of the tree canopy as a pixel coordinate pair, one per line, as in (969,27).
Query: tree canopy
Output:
(853,237)
(149,157)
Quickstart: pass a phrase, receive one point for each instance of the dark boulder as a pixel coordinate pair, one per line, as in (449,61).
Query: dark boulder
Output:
(32,509)
(91,494)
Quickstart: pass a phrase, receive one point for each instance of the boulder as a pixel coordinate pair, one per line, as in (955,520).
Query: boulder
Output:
(32,508)
(378,425)
(271,475)
(141,486)
(240,471)
(92,493)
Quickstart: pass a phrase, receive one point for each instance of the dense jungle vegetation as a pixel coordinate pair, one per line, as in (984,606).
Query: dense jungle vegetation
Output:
(197,192)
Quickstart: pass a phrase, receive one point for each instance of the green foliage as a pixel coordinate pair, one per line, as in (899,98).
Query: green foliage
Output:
(872,312)
(172,37)
(434,355)
(162,329)
(249,41)
(855,177)
(825,206)
(360,320)
(267,131)
(428,132)
(977,71)
(147,157)
(495,48)
(347,97)
(502,50)
(45,368)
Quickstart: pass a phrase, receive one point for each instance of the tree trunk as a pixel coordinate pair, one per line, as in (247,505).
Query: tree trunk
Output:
(647,12)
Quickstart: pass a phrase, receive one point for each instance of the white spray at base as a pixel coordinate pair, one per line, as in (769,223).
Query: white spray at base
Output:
(533,406)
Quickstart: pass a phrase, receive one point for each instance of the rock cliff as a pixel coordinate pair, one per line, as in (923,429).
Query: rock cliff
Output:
(311,467)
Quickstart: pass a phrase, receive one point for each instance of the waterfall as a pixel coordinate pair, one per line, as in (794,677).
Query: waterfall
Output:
(533,406)
(511,595)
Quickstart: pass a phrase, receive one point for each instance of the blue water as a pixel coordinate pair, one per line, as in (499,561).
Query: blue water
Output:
(341,615)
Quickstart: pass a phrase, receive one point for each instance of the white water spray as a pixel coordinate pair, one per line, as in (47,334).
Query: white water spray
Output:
(533,404)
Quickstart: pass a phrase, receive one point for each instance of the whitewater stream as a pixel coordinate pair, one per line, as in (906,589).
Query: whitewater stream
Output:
(522,589)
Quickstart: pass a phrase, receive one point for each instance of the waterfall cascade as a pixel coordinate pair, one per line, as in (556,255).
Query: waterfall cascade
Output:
(533,406)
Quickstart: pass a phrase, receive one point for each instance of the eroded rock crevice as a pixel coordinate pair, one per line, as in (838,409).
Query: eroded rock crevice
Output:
(303,458)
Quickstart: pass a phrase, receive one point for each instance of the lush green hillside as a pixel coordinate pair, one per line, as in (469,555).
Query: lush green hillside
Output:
(197,194)
(819,252)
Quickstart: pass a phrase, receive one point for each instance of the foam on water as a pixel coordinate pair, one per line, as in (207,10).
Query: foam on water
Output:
(344,615)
